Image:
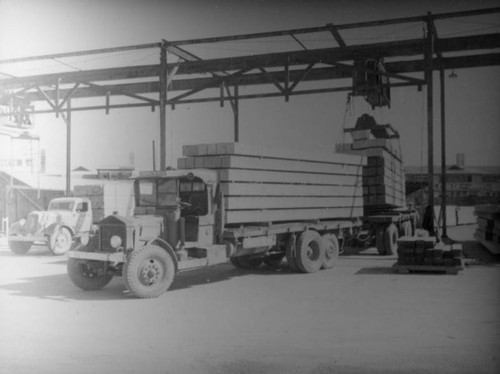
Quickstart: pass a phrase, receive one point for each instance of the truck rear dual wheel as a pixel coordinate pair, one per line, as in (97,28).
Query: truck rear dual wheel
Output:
(86,278)
(149,271)
(310,252)
(19,248)
(332,248)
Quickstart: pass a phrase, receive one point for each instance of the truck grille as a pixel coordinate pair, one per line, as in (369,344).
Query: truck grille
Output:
(31,224)
(107,232)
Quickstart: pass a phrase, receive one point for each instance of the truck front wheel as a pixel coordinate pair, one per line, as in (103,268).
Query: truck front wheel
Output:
(60,242)
(86,277)
(19,248)
(149,271)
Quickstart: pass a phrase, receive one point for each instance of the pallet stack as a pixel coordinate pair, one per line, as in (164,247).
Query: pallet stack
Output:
(383,176)
(424,254)
(488,227)
(264,184)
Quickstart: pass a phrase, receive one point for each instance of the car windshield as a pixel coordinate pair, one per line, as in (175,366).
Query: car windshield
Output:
(61,205)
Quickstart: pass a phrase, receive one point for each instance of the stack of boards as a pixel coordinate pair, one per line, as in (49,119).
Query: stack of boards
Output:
(488,227)
(107,198)
(383,176)
(268,184)
(424,254)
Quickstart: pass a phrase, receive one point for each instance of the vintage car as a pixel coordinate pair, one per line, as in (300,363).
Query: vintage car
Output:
(65,219)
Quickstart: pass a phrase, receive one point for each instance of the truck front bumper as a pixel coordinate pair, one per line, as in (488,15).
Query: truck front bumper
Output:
(35,238)
(96,256)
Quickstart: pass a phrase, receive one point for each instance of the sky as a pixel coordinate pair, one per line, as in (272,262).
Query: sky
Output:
(38,27)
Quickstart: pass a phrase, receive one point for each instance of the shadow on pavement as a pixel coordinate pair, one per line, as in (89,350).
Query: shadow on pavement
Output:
(59,286)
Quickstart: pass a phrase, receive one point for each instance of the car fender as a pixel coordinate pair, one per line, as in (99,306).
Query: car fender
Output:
(15,228)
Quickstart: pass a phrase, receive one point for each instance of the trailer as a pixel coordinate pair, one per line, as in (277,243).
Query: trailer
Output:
(227,202)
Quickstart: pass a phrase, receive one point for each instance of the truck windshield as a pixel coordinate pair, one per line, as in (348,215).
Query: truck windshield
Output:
(162,192)
(61,205)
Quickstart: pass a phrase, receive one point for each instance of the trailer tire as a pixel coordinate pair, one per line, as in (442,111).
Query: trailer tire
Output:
(310,252)
(380,240)
(84,277)
(60,242)
(406,228)
(149,271)
(332,249)
(19,248)
(391,239)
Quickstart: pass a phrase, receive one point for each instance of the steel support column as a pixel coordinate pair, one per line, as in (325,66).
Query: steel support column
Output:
(443,153)
(68,148)
(429,47)
(163,106)
(236,110)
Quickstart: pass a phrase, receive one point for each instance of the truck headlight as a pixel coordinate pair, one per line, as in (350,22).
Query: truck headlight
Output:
(115,241)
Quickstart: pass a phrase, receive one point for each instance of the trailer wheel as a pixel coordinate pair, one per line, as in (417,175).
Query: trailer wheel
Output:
(310,252)
(380,240)
(406,228)
(84,277)
(19,248)
(391,239)
(60,242)
(149,271)
(332,247)
(291,251)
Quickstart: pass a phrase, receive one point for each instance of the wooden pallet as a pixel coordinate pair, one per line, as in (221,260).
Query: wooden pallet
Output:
(406,269)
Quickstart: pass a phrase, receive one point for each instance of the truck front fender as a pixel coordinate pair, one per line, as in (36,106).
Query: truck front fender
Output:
(51,229)
(162,243)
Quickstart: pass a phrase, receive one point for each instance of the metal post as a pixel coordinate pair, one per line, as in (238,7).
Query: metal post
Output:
(163,106)
(236,116)
(68,148)
(443,152)
(430,130)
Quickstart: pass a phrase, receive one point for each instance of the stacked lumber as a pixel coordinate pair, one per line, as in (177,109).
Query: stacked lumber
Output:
(383,176)
(107,198)
(424,254)
(263,184)
(488,227)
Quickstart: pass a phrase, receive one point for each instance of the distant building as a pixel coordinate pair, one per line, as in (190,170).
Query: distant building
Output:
(112,173)
(465,185)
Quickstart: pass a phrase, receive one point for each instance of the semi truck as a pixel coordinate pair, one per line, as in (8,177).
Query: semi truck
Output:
(234,202)
(248,205)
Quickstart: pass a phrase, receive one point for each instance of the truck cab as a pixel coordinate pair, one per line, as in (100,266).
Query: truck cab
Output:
(185,201)
(172,229)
